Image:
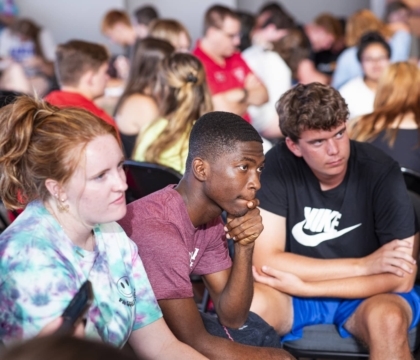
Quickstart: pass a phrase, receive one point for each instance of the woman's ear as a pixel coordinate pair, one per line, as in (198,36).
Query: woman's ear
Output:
(55,189)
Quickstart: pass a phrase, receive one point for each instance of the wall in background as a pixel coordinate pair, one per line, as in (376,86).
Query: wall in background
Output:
(81,18)
(189,12)
(306,10)
(75,19)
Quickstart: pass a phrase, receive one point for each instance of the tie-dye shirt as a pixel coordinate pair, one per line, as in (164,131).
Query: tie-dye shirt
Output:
(41,270)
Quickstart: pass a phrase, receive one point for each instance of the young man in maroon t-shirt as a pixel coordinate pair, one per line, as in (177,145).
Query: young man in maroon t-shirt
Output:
(179,232)
(231,81)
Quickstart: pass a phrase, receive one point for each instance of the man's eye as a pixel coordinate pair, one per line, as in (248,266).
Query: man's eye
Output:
(340,134)
(260,169)
(243,167)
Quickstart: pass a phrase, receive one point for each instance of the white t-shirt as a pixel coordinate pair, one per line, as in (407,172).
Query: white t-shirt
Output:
(271,69)
(358,96)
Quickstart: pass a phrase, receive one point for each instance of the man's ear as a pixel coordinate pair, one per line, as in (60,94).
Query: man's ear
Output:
(293,147)
(86,78)
(55,190)
(200,169)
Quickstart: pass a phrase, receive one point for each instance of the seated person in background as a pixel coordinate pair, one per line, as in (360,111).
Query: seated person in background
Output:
(179,232)
(247,21)
(393,126)
(8,13)
(82,74)
(397,16)
(340,235)
(182,98)
(66,165)
(31,48)
(143,16)
(116,26)
(138,97)
(173,32)
(373,54)
(329,32)
(295,50)
(271,69)
(361,22)
(232,84)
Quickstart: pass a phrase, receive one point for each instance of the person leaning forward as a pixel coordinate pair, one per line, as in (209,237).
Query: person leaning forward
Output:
(179,232)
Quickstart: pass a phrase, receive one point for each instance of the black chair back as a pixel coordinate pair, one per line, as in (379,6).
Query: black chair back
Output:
(412,180)
(145,178)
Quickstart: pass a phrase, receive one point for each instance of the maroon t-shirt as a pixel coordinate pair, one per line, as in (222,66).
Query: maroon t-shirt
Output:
(170,247)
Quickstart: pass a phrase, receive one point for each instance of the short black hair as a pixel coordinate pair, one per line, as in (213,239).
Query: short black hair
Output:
(216,133)
(146,14)
(370,38)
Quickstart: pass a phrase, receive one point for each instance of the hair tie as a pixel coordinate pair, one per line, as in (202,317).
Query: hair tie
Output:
(192,78)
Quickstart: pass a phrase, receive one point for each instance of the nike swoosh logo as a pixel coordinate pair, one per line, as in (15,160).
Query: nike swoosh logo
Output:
(314,240)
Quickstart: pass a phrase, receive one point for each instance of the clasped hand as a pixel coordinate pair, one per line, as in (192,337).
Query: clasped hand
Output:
(245,229)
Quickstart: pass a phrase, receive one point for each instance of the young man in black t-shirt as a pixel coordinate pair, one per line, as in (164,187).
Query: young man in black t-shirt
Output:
(340,236)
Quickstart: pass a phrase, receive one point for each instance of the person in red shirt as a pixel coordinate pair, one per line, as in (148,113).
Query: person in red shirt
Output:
(81,69)
(231,81)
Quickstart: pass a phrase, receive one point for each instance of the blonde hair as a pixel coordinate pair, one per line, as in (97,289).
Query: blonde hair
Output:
(39,142)
(360,23)
(183,98)
(169,30)
(398,94)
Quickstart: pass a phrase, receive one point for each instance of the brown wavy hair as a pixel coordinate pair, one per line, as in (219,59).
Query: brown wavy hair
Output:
(364,21)
(310,107)
(183,98)
(39,141)
(397,95)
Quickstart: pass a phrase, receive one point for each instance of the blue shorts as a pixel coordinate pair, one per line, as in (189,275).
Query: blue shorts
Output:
(315,311)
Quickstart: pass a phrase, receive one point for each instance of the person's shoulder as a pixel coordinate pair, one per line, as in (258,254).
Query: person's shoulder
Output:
(155,205)
(372,158)
(28,239)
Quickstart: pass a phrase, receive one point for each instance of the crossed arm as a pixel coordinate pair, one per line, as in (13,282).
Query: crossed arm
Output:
(237,100)
(391,268)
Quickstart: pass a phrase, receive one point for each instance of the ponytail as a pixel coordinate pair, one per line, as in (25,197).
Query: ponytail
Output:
(185,98)
(39,141)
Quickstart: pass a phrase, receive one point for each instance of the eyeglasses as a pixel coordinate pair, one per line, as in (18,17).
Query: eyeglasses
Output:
(375,59)
(230,36)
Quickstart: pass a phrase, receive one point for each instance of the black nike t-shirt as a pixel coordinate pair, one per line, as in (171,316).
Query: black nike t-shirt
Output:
(368,209)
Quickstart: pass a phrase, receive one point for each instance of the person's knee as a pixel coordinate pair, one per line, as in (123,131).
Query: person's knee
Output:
(387,319)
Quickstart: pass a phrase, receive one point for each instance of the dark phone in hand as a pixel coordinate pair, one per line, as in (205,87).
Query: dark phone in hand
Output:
(77,309)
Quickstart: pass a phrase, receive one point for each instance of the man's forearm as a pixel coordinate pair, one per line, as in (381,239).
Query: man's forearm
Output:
(359,287)
(257,95)
(235,300)
(310,269)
